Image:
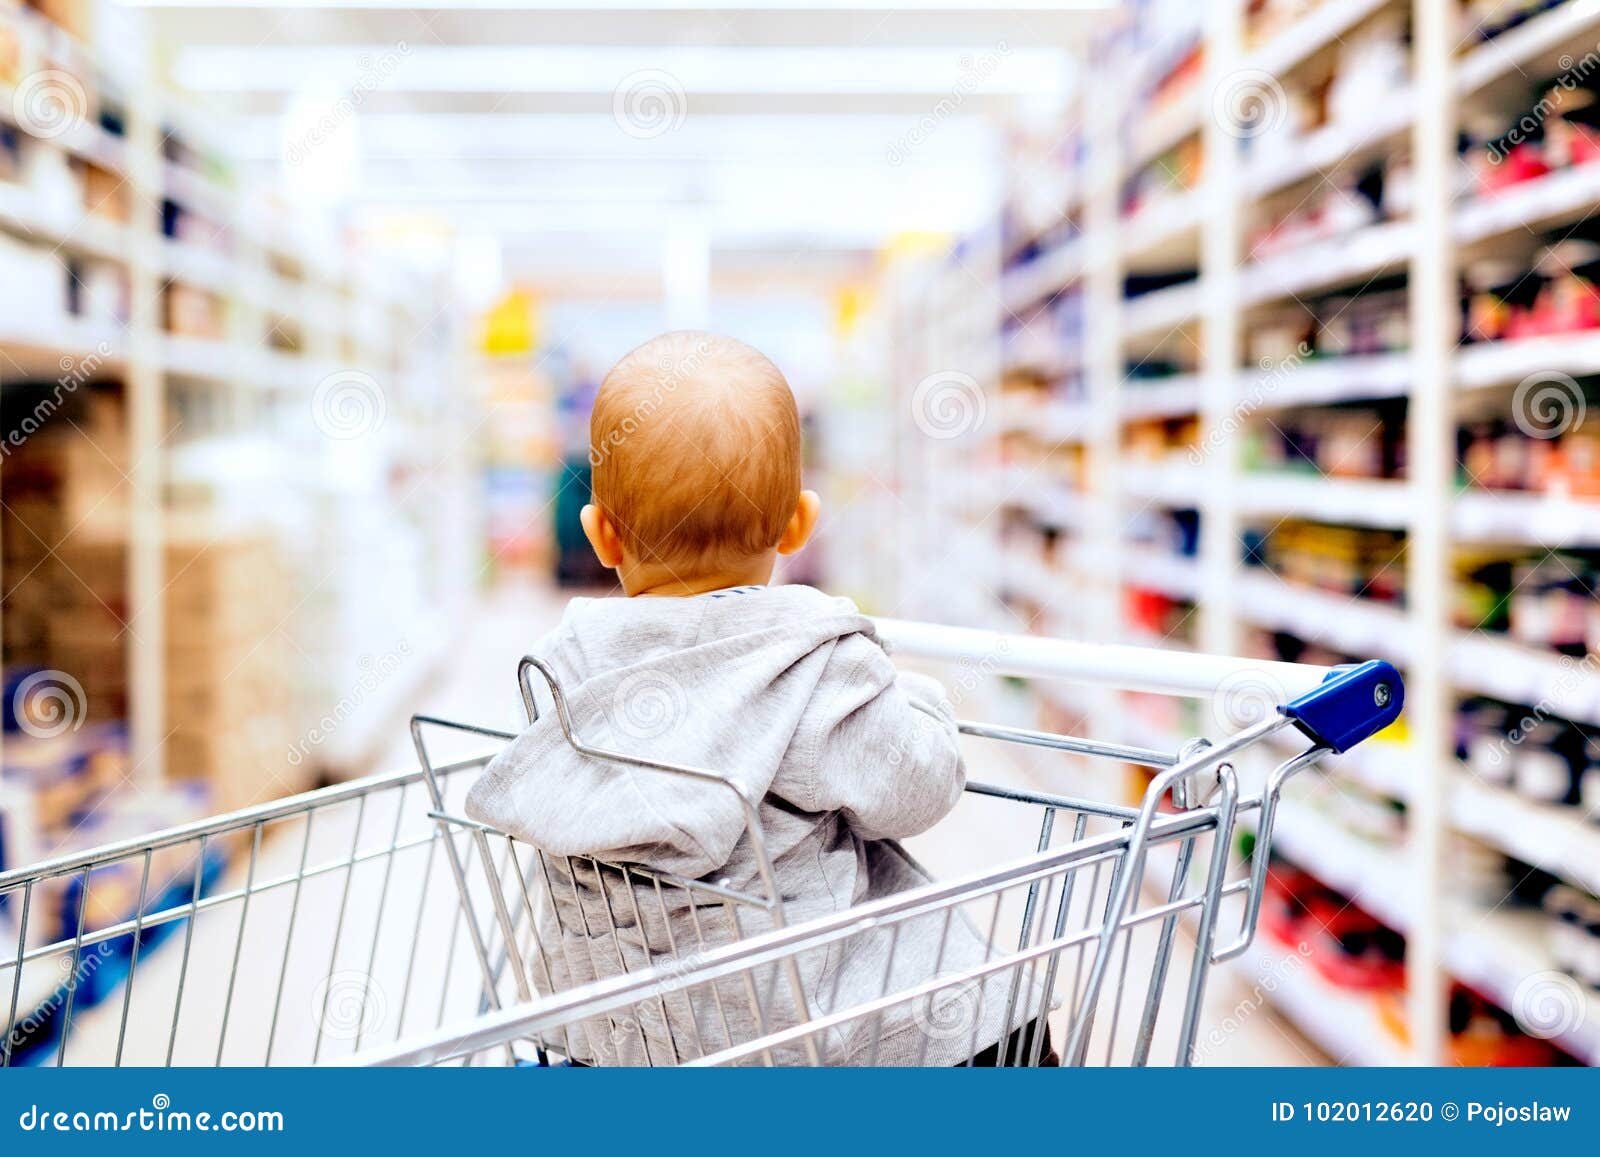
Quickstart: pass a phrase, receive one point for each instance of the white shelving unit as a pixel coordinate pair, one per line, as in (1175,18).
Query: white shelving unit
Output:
(1210,316)
(351,315)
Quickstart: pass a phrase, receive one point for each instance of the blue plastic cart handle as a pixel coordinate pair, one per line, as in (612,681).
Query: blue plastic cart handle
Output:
(1351,704)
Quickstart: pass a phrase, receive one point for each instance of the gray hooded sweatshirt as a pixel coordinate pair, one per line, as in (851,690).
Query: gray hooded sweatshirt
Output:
(786,691)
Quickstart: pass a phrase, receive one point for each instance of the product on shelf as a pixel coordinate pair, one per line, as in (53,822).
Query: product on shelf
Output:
(1517,454)
(1381,192)
(1482,20)
(1482,1034)
(196,313)
(229,688)
(1542,758)
(1155,617)
(1374,321)
(1363,562)
(1043,342)
(1170,175)
(1545,601)
(1264,20)
(1371,64)
(1357,440)
(1158,440)
(1173,532)
(1348,948)
(1557,294)
(1574,933)
(1558,129)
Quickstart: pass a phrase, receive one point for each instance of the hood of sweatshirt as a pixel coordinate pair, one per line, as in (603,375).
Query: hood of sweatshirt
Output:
(719,681)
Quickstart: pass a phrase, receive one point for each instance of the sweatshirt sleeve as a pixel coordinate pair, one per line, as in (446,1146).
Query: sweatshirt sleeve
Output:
(883,745)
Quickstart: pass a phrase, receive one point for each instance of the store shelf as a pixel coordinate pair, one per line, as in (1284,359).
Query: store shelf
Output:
(80,234)
(1160,313)
(51,351)
(1040,354)
(1521,50)
(199,266)
(1042,277)
(1534,205)
(1497,952)
(1326,381)
(1328,149)
(1050,502)
(1179,484)
(1378,503)
(1561,840)
(1342,1023)
(1151,569)
(207,359)
(1512,516)
(1166,127)
(1504,362)
(1364,254)
(1164,232)
(1357,626)
(1384,766)
(1162,398)
(1032,578)
(1366,873)
(1321,28)
(1053,422)
(1486,664)
(198,192)
(1272,174)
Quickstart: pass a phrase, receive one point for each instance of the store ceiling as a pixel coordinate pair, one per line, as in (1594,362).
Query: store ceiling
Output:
(576,133)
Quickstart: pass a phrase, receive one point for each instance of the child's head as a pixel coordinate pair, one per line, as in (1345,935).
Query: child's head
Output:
(695,444)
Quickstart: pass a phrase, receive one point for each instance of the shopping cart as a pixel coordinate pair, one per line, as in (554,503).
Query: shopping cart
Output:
(373,923)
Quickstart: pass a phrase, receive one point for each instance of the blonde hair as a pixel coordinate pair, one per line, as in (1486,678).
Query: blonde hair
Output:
(695,445)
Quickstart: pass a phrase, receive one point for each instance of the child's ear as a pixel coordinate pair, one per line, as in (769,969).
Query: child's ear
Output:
(801,523)
(602,536)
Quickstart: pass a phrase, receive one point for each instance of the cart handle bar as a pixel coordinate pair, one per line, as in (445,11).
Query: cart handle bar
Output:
(1111,665)
(1337,707)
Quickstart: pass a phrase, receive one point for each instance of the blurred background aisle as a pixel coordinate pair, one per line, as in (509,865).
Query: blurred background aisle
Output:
(1260,326)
